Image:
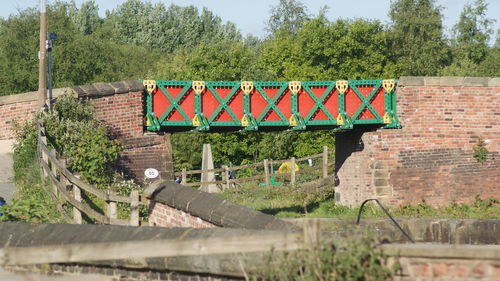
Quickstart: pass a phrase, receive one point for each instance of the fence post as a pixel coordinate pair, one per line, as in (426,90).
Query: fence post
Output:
(111,212)
(77,215)
(266,172)
(134,208)
(184,176)
(45,157)
(226,176)
(292,171)
(312,232)
(325,162)
(53,169)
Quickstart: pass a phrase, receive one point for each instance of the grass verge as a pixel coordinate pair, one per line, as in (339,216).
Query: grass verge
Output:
(289,202)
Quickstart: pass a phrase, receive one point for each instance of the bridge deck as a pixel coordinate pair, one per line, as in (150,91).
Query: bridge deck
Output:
(247,105)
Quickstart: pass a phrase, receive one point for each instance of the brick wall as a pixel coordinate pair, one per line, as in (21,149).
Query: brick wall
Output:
(123,114)
(431,157)
(163,215)
(19,111)
(437,262)
(172,204)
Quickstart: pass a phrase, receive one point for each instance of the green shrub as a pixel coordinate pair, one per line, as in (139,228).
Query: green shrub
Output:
(31,202)
(82,139)
(355,258)
(480,151)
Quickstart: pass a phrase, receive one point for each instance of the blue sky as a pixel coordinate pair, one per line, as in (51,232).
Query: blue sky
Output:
(250,16)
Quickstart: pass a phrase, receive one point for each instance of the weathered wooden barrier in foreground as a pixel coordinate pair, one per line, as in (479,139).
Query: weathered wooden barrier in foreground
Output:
(67,188)
(260,241)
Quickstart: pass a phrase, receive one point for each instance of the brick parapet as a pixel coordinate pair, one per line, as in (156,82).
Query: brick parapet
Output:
(425,262)
(166,216)
(183,203)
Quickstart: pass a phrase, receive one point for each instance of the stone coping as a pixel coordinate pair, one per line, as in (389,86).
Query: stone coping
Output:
(94,90)
(214,209)
(449,81)
(420,250)
(31,235)
(426,230)
(17,234)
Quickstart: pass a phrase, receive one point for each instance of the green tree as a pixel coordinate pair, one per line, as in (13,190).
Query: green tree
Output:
(470,40)
(19,46)
(168,29)
(95,58)
(323,50)
(288,15)
(490,66)
(417,42)
(225,60)
(86,19)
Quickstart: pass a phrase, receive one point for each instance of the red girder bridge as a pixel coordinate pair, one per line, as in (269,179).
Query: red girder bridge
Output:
(269,105)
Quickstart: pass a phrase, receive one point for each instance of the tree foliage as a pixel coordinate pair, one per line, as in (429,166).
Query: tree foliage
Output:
(417,42)
(149,40)
(470,43)
(288,15)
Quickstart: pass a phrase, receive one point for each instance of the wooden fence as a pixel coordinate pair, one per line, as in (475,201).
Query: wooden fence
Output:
(266,175)
(99,251)
(67,188)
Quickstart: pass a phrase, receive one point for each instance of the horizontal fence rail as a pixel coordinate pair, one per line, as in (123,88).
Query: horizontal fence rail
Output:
(68,188)
(252,105)
(87,252)
(225,181)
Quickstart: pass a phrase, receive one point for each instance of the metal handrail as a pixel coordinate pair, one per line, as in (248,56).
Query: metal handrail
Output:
(388,215)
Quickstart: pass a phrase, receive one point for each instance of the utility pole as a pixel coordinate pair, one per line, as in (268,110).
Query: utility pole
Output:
(42,72)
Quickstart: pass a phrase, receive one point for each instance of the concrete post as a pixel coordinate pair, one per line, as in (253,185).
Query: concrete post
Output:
(207,163)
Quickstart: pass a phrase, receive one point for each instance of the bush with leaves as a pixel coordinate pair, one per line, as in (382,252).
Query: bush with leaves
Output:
(31,202)
(353,258)
(83,140)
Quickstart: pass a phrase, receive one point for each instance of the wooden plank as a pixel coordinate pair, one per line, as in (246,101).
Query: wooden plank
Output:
(235,168)
(111,212)
(27,276)
(150,249)
(87,210)
(203,182)
(83,185)
(312,233)
(325,162)
(184,176)
(77,214)
(67,218)
(191,172)
(314,156)
(227,176)
(257,177)
(134,208)
(266,172)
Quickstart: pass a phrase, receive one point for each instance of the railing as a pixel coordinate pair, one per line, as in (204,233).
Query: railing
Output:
(67,188)
(87,252)
(226,181)
(251,105)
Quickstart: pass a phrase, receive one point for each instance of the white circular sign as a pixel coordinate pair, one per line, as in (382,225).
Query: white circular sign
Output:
(151,173)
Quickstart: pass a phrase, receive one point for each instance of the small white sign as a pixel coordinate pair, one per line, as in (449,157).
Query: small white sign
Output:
(151,173)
